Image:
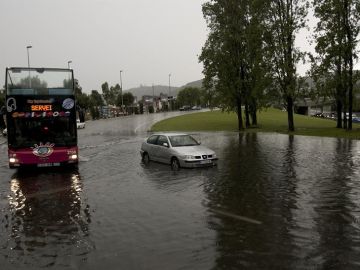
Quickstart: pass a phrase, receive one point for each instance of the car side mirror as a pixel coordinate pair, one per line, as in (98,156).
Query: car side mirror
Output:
(165,144)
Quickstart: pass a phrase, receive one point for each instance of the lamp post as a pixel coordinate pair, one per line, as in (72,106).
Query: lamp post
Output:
(69,62)
(169,85)
(28,56)
(27,48)
(169,92)
(154,102)
(122,98)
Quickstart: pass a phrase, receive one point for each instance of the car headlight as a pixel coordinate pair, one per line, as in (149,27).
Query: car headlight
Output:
(189,157)
(214,155)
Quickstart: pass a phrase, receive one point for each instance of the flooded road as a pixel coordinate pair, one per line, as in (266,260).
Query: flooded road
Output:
(273,202)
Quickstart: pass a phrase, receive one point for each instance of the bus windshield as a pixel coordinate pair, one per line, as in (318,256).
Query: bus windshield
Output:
(29,132)
(39,81)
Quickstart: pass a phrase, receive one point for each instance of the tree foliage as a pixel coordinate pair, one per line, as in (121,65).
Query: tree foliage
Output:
(106,92)
(233,55)
(336,36)
(284,19)
(128,99)
(190,96)
(96,98)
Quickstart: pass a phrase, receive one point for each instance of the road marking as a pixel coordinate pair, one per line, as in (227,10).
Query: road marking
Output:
(242,218)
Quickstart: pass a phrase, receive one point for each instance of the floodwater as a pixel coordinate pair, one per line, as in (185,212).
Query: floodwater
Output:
(273,202)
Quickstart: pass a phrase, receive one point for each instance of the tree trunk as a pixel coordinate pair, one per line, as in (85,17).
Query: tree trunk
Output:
(239,113)
(349,60)
(338,113)
(253,113)
(247,115)
(350,85)
(339,92)
(290,111)
(345,120)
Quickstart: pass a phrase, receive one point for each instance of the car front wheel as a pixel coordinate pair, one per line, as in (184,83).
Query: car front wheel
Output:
(146,158)
(175,165)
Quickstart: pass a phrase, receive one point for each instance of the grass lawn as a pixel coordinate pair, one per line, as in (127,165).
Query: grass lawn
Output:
(270,120)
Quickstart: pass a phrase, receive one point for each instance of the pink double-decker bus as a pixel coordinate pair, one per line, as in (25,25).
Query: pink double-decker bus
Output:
(41,117)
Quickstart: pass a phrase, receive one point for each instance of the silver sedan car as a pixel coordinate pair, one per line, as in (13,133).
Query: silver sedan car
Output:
(179,150)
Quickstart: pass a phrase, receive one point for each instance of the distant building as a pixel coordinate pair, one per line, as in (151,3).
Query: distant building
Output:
(307,106)
(159,103)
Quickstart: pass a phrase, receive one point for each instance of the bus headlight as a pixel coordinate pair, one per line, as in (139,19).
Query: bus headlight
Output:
(12,160)
(73,157)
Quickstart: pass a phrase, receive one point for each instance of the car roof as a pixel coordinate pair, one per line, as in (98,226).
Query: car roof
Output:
(169,134)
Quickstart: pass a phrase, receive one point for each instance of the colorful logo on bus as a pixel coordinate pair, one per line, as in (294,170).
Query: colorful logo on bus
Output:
(40,114)
(43,150)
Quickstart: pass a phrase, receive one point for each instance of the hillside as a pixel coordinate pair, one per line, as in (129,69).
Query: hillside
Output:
(143,90)
(197,84)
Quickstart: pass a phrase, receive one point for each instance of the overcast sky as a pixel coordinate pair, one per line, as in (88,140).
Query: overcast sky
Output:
(147,39)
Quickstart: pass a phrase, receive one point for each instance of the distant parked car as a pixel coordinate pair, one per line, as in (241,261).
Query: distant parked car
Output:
(321,115)
(178,150)
(356,119)
(80,124)
(185,108)
(196,108)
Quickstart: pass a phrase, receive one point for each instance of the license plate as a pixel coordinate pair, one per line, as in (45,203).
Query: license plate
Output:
(48,164)
(205,161)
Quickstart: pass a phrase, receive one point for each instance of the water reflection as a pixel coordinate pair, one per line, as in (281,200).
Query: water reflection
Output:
(48,221)
(337,212)
(284,200)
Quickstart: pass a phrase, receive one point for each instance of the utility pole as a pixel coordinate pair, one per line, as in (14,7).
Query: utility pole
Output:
(169,92)
(154,102)
(122,97)
(28,56)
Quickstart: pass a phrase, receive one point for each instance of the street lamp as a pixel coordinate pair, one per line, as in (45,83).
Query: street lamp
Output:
(154,102)
(27,49)
(122,99)
(169,85)
(69,62)
(169,93)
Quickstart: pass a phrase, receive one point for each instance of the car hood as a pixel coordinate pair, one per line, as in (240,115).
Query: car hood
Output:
(196,150)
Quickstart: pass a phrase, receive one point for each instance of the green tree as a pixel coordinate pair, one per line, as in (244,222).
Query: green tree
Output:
(284,19)
(232,55)
(189,96)
(96,98)
(82,99)
(336,39)
(106,92)
(96,101)
(114,93)
(128,99)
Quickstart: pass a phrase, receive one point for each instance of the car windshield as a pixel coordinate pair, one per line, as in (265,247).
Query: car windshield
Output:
(182,140)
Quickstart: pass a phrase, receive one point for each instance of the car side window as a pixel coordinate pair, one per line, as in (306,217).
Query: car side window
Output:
(152,139)
(162,140)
